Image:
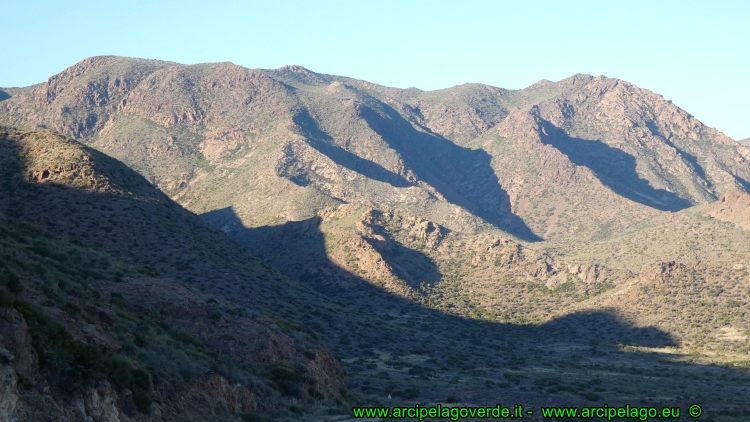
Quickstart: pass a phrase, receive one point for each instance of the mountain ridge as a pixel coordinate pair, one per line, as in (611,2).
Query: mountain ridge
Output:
(574,222)
(319,118)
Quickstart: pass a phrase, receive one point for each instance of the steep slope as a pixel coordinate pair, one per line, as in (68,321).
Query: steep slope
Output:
(615,154)
(131,300)
(581,157)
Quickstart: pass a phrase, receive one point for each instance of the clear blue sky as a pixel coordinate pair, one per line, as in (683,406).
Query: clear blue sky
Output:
(696,54)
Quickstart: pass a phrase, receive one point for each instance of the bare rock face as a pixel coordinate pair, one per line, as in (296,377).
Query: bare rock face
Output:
(733,207)
(8,383)
(663,272)
(326,368)
(588,273)
(97,405)
(14,337)
(207,390)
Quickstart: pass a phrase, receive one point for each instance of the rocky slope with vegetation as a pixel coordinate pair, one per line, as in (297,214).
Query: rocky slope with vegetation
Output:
(120,305)
(575,157)
(551,244)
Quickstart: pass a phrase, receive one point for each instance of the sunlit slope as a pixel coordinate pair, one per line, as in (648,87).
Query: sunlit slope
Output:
(584,156)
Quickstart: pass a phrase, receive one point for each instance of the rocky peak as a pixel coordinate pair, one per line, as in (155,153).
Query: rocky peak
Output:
(301,75)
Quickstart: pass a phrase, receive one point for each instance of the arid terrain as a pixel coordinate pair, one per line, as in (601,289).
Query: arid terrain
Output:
(210,242)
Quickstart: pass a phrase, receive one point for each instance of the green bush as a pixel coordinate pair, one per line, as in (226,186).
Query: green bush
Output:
(296,409)
(252,417)
(10,281)
(117,299)
(139,340)
(73,363)
(287,378)
(6,298)
(591,396)
(285,371)
(71,309)
(187,338)
(314,393)
(411,393)
(149,270)
(310,354)
(603,287)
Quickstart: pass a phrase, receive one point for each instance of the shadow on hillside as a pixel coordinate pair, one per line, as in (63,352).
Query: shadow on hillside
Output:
(4,95)
(693,160)
(371,319)
(134,222)
(321,141)
(578,347)
(463,176)
(615,168)
(297,249)
(409,265)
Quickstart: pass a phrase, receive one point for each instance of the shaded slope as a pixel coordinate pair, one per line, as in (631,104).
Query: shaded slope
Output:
(613,167)
(461,175)
(163,278)
(673,149)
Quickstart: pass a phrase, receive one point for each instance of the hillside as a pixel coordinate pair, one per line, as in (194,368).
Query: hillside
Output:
(483,318)
(598,154)
(572,242)
(125,324)
(136,307)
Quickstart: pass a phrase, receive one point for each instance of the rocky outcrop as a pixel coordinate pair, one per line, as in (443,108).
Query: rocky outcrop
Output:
(589,273)
(15,338)
(8,387)
(734,207)
(419,229)
(207,390)
(663,273)
(97,405)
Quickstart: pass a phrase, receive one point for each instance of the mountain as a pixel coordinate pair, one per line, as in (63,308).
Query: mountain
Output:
(550,161)
(555,244)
